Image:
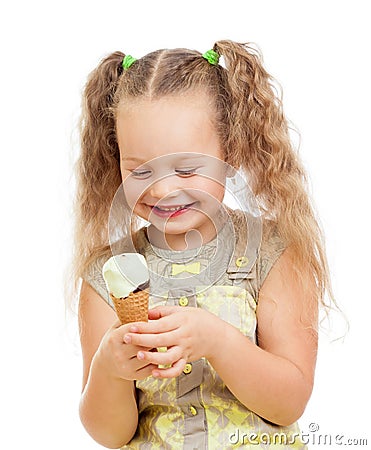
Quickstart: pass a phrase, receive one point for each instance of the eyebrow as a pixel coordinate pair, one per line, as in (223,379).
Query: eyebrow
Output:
(189,155)
(132,158)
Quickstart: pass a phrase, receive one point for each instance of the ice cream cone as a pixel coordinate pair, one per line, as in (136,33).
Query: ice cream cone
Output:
(133,308)
(127,279)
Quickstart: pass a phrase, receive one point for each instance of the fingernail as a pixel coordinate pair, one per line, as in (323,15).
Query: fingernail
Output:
(133,329)
(140,355)
(156,374)
(127,339)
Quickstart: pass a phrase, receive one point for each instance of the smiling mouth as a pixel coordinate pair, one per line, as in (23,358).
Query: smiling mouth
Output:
(171,211)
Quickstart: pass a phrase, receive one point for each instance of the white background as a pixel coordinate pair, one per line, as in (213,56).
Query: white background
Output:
(319,52)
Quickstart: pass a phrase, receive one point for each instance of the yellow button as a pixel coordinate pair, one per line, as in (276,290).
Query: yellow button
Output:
(187,368)
(183,301)
(242,261)
(193,410)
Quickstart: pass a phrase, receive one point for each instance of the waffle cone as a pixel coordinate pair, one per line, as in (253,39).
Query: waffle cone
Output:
(133,308)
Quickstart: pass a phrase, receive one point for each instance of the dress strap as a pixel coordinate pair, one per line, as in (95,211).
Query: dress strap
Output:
(248,232)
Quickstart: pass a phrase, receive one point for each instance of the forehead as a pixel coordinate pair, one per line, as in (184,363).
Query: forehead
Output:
(151,128)
(192,98)
(171,159)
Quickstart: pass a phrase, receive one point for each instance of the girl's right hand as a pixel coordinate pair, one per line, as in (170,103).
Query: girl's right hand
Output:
(118,359)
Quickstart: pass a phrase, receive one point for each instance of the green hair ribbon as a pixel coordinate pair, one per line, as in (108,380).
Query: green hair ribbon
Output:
(128,61)
(212,57)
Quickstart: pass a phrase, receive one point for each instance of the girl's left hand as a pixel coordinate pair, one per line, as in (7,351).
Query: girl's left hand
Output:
(187,332)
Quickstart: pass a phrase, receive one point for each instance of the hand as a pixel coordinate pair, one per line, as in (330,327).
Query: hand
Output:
(188,334)
(119,359)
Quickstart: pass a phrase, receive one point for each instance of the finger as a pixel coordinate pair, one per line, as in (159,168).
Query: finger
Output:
(135,349)
(138,365)
(151,340)
(134,362)
(172,372)
(144,372)
(118,332)
(162,311)
(161,358)
(164,324)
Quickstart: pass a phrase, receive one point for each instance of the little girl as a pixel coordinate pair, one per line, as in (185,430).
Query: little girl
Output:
(234,295)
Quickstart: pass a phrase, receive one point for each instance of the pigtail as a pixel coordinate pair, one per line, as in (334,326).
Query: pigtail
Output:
(259,130)
(98,168)
(259,142)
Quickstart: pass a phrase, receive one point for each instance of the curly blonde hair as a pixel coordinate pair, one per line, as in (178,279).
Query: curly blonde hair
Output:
(253,132)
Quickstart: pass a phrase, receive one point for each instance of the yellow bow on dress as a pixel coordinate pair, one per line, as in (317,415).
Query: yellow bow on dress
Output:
(193,268)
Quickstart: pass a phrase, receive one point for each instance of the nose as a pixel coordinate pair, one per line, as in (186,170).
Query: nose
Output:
(165,187)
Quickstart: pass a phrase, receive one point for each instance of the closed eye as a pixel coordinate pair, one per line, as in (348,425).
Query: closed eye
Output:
(185,172)
(141,173)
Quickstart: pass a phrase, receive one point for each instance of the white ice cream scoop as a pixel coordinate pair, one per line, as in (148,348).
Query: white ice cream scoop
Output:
(125,273)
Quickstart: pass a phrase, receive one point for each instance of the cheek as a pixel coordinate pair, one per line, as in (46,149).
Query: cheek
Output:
(133,192)
(210,190)
(219,191)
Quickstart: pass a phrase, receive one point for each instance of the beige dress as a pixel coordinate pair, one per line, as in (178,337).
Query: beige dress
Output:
(196,410)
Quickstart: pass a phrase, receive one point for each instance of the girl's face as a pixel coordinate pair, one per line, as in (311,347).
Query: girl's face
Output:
(172,167)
